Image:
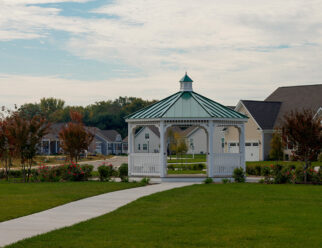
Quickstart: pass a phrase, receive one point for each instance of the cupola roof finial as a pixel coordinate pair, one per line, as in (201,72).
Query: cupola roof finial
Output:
(186,79)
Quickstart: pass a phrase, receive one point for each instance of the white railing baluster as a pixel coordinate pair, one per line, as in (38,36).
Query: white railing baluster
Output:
(225,163)
(145,164)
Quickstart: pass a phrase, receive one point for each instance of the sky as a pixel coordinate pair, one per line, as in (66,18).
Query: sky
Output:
(85,51)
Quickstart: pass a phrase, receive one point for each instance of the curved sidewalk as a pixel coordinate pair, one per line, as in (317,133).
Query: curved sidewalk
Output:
(69,214)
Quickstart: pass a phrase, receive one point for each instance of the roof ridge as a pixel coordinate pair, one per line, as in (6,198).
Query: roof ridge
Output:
(302,85)
(200,104)
(262,101)
(178,97)
(226,108)
(128,116)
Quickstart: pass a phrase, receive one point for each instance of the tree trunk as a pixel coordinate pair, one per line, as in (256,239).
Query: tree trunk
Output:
(305,171)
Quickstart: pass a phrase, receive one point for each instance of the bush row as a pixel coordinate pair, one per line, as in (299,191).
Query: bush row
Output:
(286,174)
(106,171)
(198,166)
(71,172)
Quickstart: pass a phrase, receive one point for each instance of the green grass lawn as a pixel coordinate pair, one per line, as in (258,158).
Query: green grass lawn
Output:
(171,172)
(215,215)
(296,163)
(187,158)
(19,199)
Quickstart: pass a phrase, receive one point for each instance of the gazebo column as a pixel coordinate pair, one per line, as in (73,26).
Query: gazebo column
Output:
(211,149)
(130,146)
(163,161)
(241,129)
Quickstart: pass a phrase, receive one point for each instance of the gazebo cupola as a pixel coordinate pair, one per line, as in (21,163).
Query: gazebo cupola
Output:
(186,83)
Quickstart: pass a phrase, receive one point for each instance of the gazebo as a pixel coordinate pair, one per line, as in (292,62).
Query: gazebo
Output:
(185,108)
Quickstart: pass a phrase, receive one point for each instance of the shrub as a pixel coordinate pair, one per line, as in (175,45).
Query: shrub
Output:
(281,174)
(123,172)
(145,180)
(261,181)
(320,157)
(45,174)
(239,175)
(258,170)
(87,169)
(208,180)
(170,167)
(73,172)
(106,172)
(225,180)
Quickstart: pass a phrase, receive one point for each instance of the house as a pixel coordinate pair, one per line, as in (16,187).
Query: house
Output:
(105,141)
(147,139)
(266,116)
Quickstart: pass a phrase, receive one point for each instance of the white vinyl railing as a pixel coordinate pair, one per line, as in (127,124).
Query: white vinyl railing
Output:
(144,164)
(225,163)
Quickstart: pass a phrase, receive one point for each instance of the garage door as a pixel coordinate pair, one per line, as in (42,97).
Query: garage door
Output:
(251,150)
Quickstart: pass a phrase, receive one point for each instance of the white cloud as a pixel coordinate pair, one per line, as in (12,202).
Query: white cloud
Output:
(235,48)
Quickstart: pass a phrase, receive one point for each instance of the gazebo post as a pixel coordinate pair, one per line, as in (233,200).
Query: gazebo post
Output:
(130,148)
(241,129)
(211,149)
(162,150)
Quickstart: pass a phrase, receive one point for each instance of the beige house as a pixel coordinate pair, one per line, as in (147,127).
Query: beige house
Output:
(266,116)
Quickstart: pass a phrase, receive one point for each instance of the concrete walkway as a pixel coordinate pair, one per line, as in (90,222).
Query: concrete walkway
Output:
(69,214)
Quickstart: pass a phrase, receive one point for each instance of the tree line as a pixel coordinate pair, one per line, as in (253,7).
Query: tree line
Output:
(103,114)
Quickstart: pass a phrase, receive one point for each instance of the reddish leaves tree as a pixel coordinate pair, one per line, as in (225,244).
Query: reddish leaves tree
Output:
(6,147)
(75,138)
(26,136)
(304,133)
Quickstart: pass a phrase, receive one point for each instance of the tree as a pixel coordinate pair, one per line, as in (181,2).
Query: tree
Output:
(75,138)
(50,105)
(304,133)
(276,152)
(26,136)
(6,147)
(179,144)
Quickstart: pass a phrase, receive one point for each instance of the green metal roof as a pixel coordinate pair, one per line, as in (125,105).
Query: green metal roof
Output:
(186,78)
(186,104)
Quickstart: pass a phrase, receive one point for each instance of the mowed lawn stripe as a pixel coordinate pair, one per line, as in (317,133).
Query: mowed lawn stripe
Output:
(226,215)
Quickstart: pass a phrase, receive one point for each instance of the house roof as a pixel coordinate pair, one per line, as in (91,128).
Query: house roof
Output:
(155,130)
(186,104)
(297,98)
(186,132)
(264,112)
(53,132)
(110,135)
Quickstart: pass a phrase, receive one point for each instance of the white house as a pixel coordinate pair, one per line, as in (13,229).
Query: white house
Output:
(147,139)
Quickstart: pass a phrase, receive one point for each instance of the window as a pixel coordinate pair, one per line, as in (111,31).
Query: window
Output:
(232,144)
(145,147)
(222,142)
(255,144)
(110,146)
(98,148)
(147,136)
(248,144)
(139,147)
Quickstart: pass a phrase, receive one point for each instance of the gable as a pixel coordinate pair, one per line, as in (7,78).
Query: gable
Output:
(297,98)
(264,112)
